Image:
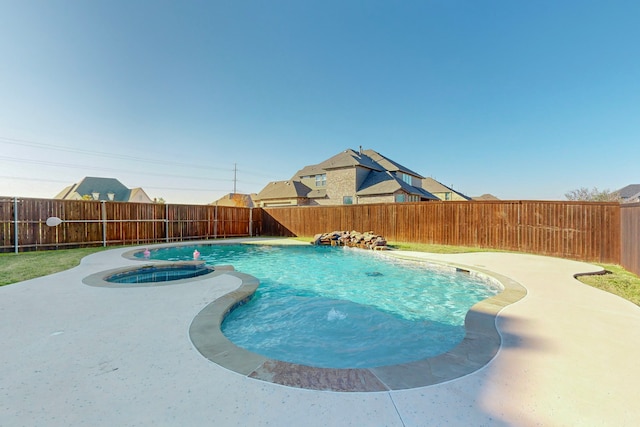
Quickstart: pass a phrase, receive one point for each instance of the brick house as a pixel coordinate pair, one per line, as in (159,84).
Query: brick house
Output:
(349,177)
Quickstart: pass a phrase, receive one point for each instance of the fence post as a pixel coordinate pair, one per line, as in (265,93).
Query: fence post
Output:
(215,222)
(15,223)
(104,223)
(166,223)
(250,222)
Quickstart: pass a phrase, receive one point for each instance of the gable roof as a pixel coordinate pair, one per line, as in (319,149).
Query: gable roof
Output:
(139,194)
(310,170)
(350,158)
(434,186)
(369,159)
(284,189)
(236,200)
(387,183)
(629,191)
(65,192)
(388,164)
(485,196)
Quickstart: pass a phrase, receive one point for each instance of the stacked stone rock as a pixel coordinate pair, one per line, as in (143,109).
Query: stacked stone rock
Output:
(366,240)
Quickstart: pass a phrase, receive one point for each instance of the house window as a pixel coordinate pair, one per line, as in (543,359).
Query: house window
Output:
(447,196)
(406,178)
(321,180)
(400,198)
(347,200)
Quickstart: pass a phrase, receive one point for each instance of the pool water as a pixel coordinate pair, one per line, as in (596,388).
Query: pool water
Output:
(339,307)
(156,274)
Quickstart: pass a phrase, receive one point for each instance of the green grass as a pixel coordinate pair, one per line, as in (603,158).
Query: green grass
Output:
(617,281)
(29,265)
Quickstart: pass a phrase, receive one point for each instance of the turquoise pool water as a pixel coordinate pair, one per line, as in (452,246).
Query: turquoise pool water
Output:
(343,307)
(155,274)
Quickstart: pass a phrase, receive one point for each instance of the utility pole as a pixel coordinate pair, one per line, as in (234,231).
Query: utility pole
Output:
(235,173)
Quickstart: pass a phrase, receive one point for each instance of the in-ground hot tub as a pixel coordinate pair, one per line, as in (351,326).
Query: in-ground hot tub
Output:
(156,274)
(160,273)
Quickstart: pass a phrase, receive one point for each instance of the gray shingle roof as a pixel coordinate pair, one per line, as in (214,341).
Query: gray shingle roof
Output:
(283,189)
(104,186)
(387,183)
(629,191)
(388,164)
(310,170)
(317,194)
(350,158)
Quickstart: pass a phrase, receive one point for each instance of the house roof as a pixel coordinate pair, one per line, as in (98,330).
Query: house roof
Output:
(369,159)
(64,193)
(629,191)
(317,194)
(138,192)
(434,186)
(284,189)
(310,170)
(388,164)
(236,200)
(485,197)
(350,158)
(381,177)
(387,183)
(103,186)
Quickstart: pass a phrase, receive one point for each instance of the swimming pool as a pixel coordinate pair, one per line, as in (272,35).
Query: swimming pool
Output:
(341,307)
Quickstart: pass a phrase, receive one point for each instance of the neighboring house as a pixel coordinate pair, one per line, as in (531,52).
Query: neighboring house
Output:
(109,189)
(485,197)
(441,191)
(236,200)
(629,194)
(349,177)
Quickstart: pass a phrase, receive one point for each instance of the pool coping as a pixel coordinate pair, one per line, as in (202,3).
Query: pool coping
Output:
(99,279)
(479,346)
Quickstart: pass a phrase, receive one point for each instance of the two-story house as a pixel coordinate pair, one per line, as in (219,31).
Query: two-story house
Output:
(349,177)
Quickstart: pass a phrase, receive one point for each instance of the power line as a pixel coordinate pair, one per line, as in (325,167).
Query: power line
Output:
(25,143)
(145,187)
(68,165)
(33,179)
(35,144)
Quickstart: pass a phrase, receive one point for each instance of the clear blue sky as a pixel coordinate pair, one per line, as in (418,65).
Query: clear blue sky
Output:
(521,99)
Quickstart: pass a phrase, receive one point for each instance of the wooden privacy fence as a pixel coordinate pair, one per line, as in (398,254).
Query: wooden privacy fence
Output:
(91,223)
(596,232)
(577,230)
(630,237)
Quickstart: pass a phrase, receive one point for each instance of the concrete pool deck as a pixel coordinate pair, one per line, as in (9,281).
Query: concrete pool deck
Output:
(74,354)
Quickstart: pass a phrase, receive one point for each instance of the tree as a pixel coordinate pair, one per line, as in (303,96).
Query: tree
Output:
(159,200)
(593,195)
